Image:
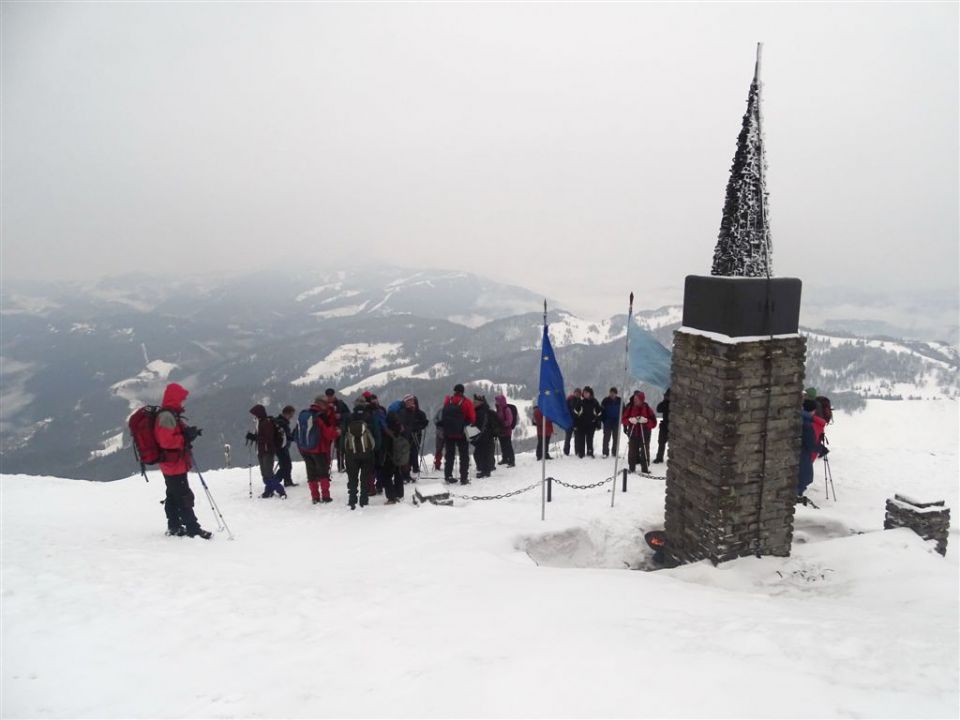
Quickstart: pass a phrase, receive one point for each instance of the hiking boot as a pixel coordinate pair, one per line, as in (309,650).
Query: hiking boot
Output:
(267,495)
(327,499)
(390,502)
(464,482)
(282,496)
(316,501)
(176,532)
(289,483)
(449,480)
(200,533)
(353,506)
(657,461)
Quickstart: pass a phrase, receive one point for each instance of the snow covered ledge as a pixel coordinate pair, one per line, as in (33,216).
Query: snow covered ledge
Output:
(737,377)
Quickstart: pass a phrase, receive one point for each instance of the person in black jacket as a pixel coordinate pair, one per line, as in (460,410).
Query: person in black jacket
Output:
(489,426)
(612,407)
(283,450)
(417,423)
(586,420)
(573,404)
(663,435)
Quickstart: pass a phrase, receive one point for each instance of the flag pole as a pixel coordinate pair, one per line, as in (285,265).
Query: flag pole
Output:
(623,406)
(543,439)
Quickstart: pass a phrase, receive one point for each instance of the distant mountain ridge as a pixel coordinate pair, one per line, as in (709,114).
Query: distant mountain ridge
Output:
(75,360)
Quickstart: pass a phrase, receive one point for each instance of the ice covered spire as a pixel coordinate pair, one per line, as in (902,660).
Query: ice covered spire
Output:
(743,246)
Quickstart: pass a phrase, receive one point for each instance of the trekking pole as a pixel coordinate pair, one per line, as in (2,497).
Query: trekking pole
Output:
(250,470)
(828,477)
(221,523)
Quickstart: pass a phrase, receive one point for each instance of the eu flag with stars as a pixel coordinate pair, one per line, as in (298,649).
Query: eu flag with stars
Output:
(552,400)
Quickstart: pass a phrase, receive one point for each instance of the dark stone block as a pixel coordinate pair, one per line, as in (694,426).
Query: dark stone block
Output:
(742,307)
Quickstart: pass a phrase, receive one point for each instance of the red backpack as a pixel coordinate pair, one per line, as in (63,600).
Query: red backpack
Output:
(826,410)
(145,447)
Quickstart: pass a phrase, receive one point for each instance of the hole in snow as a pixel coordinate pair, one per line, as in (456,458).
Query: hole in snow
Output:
(579,548)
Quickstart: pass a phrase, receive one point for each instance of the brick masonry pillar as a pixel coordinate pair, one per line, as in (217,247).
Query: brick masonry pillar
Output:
(734,431)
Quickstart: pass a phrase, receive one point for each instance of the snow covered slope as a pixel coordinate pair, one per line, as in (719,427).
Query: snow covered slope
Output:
(482,609)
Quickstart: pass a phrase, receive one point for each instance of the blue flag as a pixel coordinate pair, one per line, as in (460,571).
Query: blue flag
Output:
(552,400)
(649,361)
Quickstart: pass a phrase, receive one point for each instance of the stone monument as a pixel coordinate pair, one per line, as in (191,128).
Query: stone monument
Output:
(736,384)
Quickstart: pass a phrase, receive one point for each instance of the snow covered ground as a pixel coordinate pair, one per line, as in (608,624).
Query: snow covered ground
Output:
(482,609)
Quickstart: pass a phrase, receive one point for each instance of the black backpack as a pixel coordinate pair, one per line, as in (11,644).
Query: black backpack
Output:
(359,441)
(452,419)
(516,416)
(279,436)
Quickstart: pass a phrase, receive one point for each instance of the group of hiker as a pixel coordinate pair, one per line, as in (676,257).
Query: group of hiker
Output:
(589,415)
(816,413)
(381,448)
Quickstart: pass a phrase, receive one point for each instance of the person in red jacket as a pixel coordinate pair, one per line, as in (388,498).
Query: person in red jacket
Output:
(544,430)
(316,459)
(457,413)
(639,420)
(174,437)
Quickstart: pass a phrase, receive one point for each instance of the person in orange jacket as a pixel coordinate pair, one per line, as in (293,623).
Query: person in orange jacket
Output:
(174,437)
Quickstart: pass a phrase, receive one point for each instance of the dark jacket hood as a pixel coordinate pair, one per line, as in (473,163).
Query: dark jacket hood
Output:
(259,412)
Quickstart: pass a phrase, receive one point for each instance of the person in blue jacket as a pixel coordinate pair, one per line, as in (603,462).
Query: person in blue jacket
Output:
(611,406)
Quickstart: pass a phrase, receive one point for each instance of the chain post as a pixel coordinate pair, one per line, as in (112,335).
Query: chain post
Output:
(549,489)
(625,479)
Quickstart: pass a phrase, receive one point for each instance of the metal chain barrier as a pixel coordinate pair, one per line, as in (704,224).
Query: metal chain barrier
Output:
(582,487)
(571,486)
(496,497)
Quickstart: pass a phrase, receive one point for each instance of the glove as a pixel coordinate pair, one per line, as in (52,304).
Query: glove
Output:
(633,420)
(191,433)
(251,437)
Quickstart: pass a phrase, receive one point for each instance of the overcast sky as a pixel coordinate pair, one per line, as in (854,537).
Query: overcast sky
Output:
(580,150)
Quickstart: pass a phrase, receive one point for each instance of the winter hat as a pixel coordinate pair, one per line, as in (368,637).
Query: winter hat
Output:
(458,388)
(811,392)
(329,392)
(367,395)
(588,389)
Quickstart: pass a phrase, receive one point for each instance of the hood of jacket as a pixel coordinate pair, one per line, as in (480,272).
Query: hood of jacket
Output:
(501,401)
(259,412)
(174,397)
(642,396)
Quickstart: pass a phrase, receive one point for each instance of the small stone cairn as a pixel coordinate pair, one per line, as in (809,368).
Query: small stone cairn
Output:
(930,520)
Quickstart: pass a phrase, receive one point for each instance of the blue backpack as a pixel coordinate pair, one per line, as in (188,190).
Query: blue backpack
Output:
(308,430)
